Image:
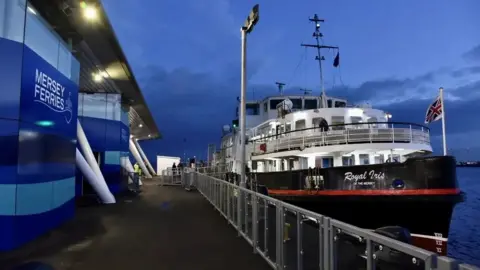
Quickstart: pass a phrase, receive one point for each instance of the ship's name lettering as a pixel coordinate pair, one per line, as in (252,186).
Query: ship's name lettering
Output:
(367,175)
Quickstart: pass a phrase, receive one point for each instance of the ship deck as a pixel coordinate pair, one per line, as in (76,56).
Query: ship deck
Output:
(164,228)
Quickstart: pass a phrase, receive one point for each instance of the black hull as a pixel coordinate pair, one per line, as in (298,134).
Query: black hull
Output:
(423,204)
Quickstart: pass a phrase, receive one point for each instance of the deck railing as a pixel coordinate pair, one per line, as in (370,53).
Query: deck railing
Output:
(289,237)
(378,132)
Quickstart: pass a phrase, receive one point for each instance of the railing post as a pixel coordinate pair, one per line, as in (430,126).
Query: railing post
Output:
(299,241)
(239,210)
(393,133)
(279,235)
(411,134)
(255,222)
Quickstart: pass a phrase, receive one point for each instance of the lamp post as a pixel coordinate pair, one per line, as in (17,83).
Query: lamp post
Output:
(247,27)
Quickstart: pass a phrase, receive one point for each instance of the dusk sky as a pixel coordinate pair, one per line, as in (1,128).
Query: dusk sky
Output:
(394,54)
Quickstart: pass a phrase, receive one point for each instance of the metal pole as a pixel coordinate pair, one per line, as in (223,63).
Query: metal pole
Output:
(444,136)
(243,94)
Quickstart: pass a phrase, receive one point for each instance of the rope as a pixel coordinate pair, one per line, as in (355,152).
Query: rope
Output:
(298,65)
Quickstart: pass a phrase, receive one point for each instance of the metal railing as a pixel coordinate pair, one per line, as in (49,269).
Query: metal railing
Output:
(171,177)
(380,132)
(289,237)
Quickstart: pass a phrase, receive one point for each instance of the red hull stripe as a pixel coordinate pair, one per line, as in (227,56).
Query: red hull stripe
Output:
(366,192)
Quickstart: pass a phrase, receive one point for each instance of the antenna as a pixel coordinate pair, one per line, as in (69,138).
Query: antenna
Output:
(318,35)
(280,87)
(306,91)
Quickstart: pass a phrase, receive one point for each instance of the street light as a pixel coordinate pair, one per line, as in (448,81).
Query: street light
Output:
(89,12)
(250,22)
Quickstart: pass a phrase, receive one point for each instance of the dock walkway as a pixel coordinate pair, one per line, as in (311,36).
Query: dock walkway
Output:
(164,228)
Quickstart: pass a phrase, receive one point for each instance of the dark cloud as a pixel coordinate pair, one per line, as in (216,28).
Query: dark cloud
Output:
(473,54)
(195,105)
(466,71)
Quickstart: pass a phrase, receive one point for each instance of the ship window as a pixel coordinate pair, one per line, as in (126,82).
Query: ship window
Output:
(300,124)
(297,103)
(253,109)
(288,127)
(348,160)
(329,103)
(274,103)
(393,158)
(338,122)
(379,159)
(340,104)
(364,159)
(265,107)
(310,104)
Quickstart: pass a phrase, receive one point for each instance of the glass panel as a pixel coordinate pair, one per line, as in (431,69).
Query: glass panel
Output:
(75,70)
(364,159)
(45,42)
(338,120)
(340,104)
(124,115)
(274,103)
(379,159)
(95,105)
(348,160)
(297,103)
(40,39)
(113,107)
(310,104)
(253,109)
(80,104)
(12,19)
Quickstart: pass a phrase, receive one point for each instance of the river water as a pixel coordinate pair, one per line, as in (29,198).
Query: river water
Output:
(464,238)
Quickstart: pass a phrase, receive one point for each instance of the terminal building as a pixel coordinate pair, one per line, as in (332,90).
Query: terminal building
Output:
(71,112)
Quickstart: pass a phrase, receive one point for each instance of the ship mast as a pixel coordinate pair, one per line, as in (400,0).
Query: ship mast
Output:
(318,35)
(280,87)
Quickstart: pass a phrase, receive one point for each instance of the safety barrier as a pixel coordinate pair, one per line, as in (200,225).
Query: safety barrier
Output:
(171,177)
(289,237)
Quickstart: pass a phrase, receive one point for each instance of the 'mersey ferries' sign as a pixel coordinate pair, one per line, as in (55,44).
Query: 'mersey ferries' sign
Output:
(362,178)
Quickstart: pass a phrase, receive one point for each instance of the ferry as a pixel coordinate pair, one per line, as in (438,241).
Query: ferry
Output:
(347,161)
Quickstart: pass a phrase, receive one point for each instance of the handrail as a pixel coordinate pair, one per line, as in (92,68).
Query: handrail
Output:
(344,125)
(276,231)
(299,140)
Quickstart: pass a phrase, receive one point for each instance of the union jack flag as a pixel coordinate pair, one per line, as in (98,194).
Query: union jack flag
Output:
(435,111)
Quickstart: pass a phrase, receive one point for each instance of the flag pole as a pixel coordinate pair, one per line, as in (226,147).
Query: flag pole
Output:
(443,123)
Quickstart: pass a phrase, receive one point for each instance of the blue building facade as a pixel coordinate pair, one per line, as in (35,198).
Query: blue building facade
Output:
(38,119)
(106,126)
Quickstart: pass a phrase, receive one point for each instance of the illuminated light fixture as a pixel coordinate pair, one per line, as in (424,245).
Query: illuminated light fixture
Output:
(97,77)
(104,74)
(89,12)
(31,10)
(44,123)
(388,115)
(149,135)
(140,125)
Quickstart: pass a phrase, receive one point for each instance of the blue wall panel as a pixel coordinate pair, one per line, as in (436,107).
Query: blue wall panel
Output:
(38,148)
(94,129)
(107,137)
(113,135)
(11,54)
